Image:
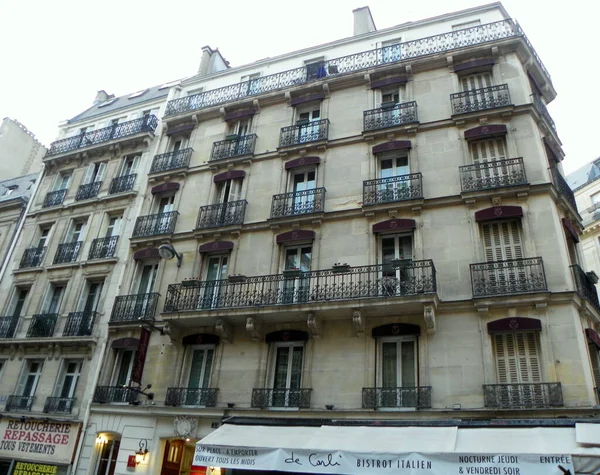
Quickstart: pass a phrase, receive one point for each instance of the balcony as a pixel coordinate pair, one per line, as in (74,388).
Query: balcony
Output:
(67,252)
(233,147)
(522,396)
(80,323)
(492,174)
(155,224)
(131,308)
(54,198)
(171,160)
(221,214)
(121,184)
(517,276)
(263,398)
(19,403)
(32,257)
(361,61)
(585,286)
(115,395)
(298,203)
(130,128)
(390,116)
(355,283)
(103,248)
(480,99)
(8,325)
(392,189)
(42,325)
(206,397)
(415,397)
(59,405)
(89,191)
(304,133)
(564,189)
(543,111)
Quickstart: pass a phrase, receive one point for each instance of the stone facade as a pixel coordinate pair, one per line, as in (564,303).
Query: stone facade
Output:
(20,152)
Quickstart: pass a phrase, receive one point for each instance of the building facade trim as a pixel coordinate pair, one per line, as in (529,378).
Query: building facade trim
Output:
(485,131)
(148,253)
(286,335)
(396,329)
(475,65)
(216,246)
(200,339)
(394,225)
(570,229)
(498,212)
(393,145)
(302,161)
(229,175)
(295,235)
(514,324)
(593,336)
(126,343)
(165,187)
(391,81)
(318,96)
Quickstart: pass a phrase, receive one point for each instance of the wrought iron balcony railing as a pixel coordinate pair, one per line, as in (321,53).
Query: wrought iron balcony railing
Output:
(95,137)
(221,214)
(298,202)
(492,174)
(543,111)
(206,397)
(563,188)
(42,325)
(59,405)
(32,257)
(236,147)
(171,160)
(103,247)
(89,191)
(522,396)
(155,224)
(54,198)
(392,189)
(121,184)
(299,398)
(19,403)
(384,117)
(67,252)
(517,276)
(480,99)
(304,133)
(353,63)
(8,325)
(585,286)
(296,287)
(80,323)
(417,397)
(115,395)
(131,308)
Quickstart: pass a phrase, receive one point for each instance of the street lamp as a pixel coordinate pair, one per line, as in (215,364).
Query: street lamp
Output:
(167,251)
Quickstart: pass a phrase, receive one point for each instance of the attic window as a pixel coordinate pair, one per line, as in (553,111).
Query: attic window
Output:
(170,84)
(9,190)
(138,94)
(109,102)
(467,24)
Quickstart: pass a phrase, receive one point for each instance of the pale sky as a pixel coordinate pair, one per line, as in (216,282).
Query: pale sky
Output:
(57,53)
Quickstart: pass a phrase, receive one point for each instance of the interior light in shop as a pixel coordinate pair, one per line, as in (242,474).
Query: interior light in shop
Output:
(214,471)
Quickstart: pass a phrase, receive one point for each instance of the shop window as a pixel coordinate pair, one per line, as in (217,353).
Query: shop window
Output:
(107,457)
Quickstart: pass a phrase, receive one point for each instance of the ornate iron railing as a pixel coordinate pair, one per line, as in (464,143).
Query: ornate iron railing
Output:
(8,325)
(115,394)
(493,174)
(89,191)
(392,189)
(67,252)
(299,398)
(19,403)
(480,99)
(95,137)
(417,397)
(42,325)
(563,188)
(298,202)
(384,117)
(543,110)
(103,247)
(441,43)
(585,286)
(522,396)
(32,257)
(54,198)
(389,280)
(516,276)
(221,214)
(80,323)
(121,184)
(155,224)
(131,308)
(55,405)
(304,133)
(243,145)
(171,160)
(206,397)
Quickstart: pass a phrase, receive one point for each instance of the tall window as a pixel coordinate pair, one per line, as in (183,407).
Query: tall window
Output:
(94,173)
(502,240)
(123,367)
(90,297)
(302,182)
(517,357)
(396,258)
(130,165)
(296,266)
(308,118)
(53,299)
(43,236)
(66,384)
(17,301)
(107,458)
(390,51)
(62,181)
(229,190)
(30,376)
(476,81)
(179,143)
(76,231)
(215,272)
(113,227)
(595,361)
(240,127)
(488,150)
(287,373)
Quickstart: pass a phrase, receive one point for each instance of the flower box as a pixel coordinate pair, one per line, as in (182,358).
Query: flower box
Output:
(190,283)
(396,263)
(290,273)
(232,137)
(340,268)
(236,278)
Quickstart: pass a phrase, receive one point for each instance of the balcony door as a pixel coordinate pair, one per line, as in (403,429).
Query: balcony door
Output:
(396,259)
(287,374)
(398,372)
(67,385)
(390,113)
(166,204)
(62,182)
(145,286)
(30,377)
(114,226)
(391,166)
(309,125)
(122,375)
(390,51)
(296,280)
(229,191)
(53,299)
(484,153)
(90,300)
(502,242)
(179,143)
(130,165)
(94,173)
(303,186)
(199,375)
(216,275)
(474,86)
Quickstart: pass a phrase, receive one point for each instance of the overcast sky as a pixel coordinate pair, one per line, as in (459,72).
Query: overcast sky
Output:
(57,53)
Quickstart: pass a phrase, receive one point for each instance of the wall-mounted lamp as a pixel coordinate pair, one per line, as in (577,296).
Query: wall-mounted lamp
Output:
(101,440)
(140,454)
(167,251)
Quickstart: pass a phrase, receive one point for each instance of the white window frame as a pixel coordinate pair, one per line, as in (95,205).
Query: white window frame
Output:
(111,461)
(397,339)
(49,295)
(134,159)
(59,180)
(119,355)
(62,376)
(273,363)
(24,376)
(190,350)
(14,299)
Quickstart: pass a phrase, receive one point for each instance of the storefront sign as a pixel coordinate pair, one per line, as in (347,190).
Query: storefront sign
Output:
(345,462)
(37,440)
(24,468)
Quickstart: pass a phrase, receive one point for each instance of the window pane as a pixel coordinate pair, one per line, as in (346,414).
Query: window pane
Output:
(305,259)
(207,368)
(281,367)
(296,368)
(389,365)
(408,364)
(196,369)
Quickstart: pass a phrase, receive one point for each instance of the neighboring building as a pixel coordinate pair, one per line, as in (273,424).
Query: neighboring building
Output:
(20,152)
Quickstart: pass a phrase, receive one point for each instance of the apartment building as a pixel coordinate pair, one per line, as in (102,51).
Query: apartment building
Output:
(21,152)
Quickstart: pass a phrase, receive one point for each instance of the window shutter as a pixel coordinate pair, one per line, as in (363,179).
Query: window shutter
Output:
(517,358)
(101,170)
(502,241)
(506,360)
(89,174)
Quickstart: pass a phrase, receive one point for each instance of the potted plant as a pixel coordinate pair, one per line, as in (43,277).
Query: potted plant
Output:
(291,273)
(236,278)
(190,282)
(338,267)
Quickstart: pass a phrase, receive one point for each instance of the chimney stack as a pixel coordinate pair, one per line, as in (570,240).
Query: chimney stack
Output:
(363,21)
(101,96)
